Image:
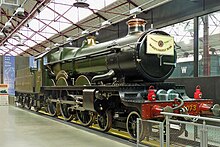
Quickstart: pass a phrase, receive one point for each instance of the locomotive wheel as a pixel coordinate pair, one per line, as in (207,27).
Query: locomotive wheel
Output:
(36,109)
(85,117)
(18,100)
(177,129)
(28,103)
(131,125)
(64,108)
(65,111)
(51,107)
(22,102)
(105,121)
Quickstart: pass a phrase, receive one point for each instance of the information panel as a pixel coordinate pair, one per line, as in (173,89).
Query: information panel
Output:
(9,73)
(3,94)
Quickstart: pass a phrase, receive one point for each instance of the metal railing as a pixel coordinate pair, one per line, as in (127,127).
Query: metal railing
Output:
(189,131)
(202,129)
(150,126)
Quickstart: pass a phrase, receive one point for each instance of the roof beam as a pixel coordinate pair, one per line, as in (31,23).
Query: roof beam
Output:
(65,17)
(31,14)
(33,41)
(99,15)
(134,4)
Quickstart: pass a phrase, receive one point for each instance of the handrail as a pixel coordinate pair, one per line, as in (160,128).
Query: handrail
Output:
(190,116)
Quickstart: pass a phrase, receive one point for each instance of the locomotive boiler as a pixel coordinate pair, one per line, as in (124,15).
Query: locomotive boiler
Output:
(112,83)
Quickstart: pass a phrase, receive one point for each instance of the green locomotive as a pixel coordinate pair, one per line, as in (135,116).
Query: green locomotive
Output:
(114,82)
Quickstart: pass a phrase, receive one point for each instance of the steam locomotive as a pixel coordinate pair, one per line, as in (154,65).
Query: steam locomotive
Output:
(112,83)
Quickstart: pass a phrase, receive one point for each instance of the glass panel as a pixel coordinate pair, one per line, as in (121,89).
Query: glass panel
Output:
(59,15)
(209,46)
(183,36)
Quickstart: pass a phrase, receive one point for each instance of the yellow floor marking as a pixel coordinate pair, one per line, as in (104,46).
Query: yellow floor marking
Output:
(152,143)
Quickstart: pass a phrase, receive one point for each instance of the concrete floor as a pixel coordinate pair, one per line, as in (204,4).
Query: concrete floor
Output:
(19,128)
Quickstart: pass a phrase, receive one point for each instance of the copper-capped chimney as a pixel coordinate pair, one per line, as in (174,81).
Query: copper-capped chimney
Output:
(136,25)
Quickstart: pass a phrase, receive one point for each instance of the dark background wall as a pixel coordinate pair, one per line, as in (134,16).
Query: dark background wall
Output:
(210,86)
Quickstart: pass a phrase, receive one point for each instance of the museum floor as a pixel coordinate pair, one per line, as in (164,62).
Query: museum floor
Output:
(19,128)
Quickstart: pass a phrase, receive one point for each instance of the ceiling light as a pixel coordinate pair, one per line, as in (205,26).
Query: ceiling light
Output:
(8,25)
(135,11)
(16,35)
(20,11)
(56,44)
(69,39)
(81,4)
(85,32)
(106,23)
(2,35)
(47,48)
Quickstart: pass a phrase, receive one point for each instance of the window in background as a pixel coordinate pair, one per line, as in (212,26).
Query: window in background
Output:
(209,44)
(183,36)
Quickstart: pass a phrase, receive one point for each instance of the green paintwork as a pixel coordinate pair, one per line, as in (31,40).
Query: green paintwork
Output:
(64,57)
(97,64)
(61,82)
(82,80)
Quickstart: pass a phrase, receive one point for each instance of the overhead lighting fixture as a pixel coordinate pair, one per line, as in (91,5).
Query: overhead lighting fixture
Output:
(47,48)
(16,35)
(85,32)
(56,44)
(81,4)
(2,35)
(106,23)
(19,44)
(8,25)
(135,11)
(20,11)
(69,39)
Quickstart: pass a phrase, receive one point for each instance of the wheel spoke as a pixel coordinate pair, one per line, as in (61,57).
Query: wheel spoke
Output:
(132,126)
(52,108)
(85,117)
(105,121)
(64,96)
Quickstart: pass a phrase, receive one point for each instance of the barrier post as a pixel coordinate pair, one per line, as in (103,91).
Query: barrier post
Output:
(161,135)
(138,131)
(167,131)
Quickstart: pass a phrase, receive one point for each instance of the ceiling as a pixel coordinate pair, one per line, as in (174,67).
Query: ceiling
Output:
(47,23)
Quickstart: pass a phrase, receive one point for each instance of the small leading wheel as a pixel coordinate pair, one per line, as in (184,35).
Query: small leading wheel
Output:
(85,117)
(131,125)
(105,121)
